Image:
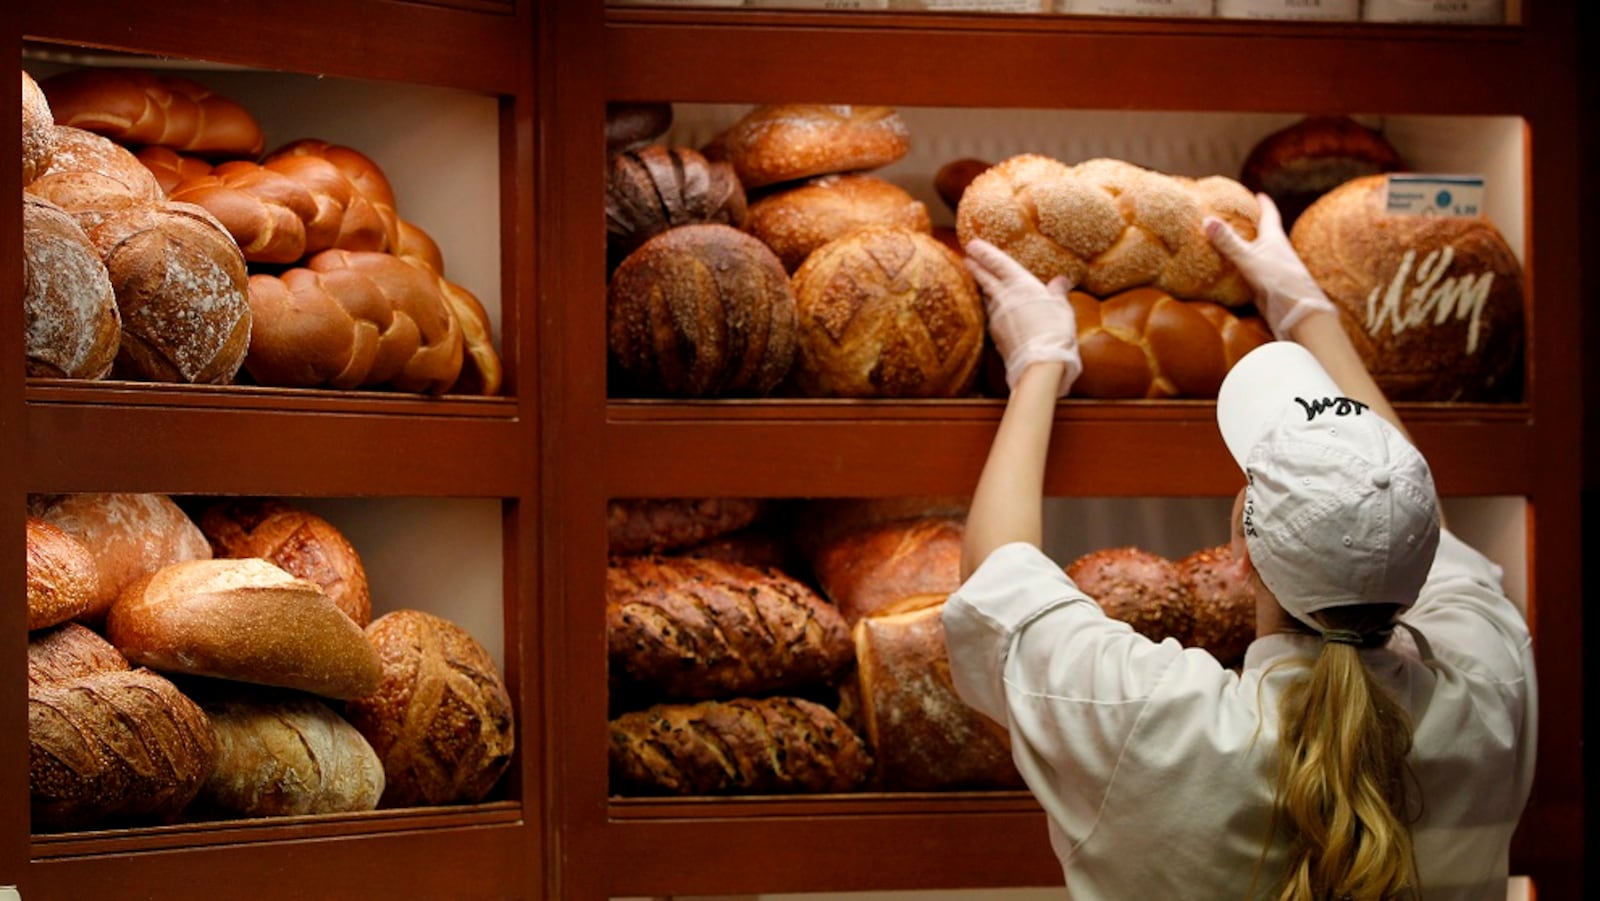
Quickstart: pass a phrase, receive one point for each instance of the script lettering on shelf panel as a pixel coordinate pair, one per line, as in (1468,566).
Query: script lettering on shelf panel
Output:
(1402,305)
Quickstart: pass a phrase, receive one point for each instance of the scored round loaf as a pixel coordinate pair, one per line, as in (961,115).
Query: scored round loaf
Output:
(245,620)
(786,142)
(1300,162)
(700,310)
(656,525)
(182,290)
(630,124)
(128,535)
(1109,225)
(93,177)
(1433,304)
(297,541)
(38,129)
(286,755)
(797,220)
(886,312)
(1145,343)
(441,720)
(136,106)
(1223,605)
(869,571)
(67,651)
(71,324)
(113,748)
(654,188)
(1139,588)
(62,580)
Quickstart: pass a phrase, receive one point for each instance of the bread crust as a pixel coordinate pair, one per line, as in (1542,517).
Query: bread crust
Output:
(1145,343)
(129,535)
(297,541)
(796,221)
(38,129)
(1139,588)
(72,325)
(787,142)
(62,581)
(135,106)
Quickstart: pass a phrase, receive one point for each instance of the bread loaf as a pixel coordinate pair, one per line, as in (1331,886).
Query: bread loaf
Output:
(349,319)
(1222,603)
(113,748)
(245,620)
(951,180)
(630,124)
(761,547)
(62,581)
(128,535)
(654,188)
(286,755)
(685,628)
(819,522)
(297,541)
(71,324)
(38,129)
(700,311)
(1110,225)
(886,312)
(121,173)
(1139,588)
(1434,304)
(775,745)
(68,651)
(799,219)
(369,183)
(1300,162)
(181,286)
(922,736)
(1145,343)
(481,369)
(872,570)
(654,525)
(135,106)
(441,720)
(786,142)
(171,167)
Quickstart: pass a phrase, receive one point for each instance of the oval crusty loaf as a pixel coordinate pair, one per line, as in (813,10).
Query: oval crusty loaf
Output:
(785,142)
(739,746)
(1110,225)
(245,620)
(182,288)
(686,628)
(441,720)
(655,188)
(951,181)
(71,324)
(654,525)
(886,312)
(128,535)
(1223,605)
(1137,587)
(38,129)
(110,748)
(299,542)
(134,106)
(1145,343)
(62,581)
(797,220)
(871,571)
(68,651)
(286,755)
(1434,304)
(701,311)
(1300,162)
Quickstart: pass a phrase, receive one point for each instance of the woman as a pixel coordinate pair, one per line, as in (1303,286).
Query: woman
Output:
(1349,758)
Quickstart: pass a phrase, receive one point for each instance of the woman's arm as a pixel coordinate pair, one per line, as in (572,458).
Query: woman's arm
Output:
(1008,504)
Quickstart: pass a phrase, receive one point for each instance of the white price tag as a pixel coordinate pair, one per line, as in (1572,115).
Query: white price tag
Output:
(1434,195)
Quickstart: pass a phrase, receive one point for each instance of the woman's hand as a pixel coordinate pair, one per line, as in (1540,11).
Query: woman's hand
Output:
(1031,322)
(1285,292)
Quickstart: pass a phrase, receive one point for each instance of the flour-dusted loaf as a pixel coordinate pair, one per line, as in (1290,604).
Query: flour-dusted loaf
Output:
(778,745)
(1110,225)
(245,620)
(700,310)
(654,188)
(62,578)
(1434,304)
(1223,605)
(687,628)
(129,535)
(796,220)
(923,737)
(1302,161)
(38,129)
(116,747)
(1145,343)
(887,312)
(283,754)
(136,107)
(298,541)
(874,569)
(72,326)
(68,651)
(441,720)
(661,524)
(786,142)
(120,179)
(1138,587)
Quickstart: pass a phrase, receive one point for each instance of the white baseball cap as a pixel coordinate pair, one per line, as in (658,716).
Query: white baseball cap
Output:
(1340,507)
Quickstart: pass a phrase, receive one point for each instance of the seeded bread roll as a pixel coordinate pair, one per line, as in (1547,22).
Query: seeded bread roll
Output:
(38,130)
(797,220)
(886,312)
(72,326)
(1145,343)
(62,580)
(654,188)
(68,651)
(869,571)
(298,541)
(786,142)
(1223,606)
(1139,588)
(742,746)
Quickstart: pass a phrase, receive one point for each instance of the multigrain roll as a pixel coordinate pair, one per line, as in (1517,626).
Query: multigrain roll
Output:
(654,188)
(786,142)
(887,312)
(799,219)
(72,326)
(298,541)
(1139,588)
(1223,605)
(701,311)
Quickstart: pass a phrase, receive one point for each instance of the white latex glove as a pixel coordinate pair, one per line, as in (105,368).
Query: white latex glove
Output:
(1285,292)
(1031,322)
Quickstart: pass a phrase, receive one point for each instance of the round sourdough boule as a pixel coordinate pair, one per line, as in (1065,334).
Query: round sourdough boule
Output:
(65,652)
(795,221)
(298,541)
(71,324)
(886,312)
(62,580)
(38,130)
(786,142)
(245,620)
(441,719)
(700,311)
(1137,587)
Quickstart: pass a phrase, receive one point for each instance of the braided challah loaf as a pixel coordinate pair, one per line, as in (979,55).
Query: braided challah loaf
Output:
(481,371)
(171,167)
(1145,343)
(1110,225)
(364,176)
(133,106)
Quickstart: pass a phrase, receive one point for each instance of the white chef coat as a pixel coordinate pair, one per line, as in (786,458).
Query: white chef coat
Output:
(1156,766)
